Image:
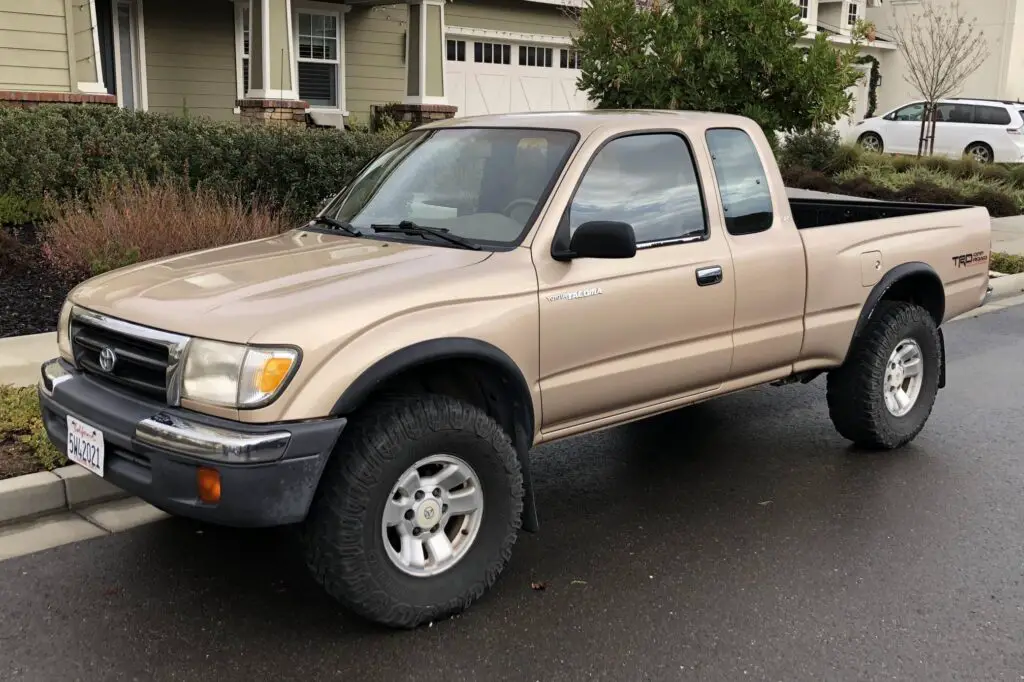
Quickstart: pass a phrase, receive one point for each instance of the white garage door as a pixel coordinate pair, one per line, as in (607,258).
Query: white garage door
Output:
(485,76)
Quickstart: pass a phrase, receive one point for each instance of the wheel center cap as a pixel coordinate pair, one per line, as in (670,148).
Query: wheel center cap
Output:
(428,514)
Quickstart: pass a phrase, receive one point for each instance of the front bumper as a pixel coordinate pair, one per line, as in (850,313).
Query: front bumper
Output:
(268,472)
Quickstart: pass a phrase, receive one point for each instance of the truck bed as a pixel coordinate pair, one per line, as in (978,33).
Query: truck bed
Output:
(808,213)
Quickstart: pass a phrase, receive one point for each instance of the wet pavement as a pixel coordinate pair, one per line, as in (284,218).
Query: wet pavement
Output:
(741,539)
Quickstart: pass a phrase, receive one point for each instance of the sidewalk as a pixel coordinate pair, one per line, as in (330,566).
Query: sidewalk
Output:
(1008,235)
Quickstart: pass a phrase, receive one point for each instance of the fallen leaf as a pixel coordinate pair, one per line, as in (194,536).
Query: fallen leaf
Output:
(538,586)
(765,503)
(578,582)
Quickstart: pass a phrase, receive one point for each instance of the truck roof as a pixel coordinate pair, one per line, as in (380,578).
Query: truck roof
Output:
(588,121)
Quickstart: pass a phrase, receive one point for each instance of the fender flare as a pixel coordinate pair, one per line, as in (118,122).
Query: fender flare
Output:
(890,279)
(456,348)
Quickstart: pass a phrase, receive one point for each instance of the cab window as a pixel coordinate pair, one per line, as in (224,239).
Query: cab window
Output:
(648,181)
(742,181)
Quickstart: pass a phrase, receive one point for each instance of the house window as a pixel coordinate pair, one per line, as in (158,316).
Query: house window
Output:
(570,59)
(535,56)
(805,8)
(851,16)
(492,53)
(319,61)
(456,50)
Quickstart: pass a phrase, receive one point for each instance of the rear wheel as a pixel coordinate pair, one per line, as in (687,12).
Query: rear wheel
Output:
(417,511)
(871,142)
(883,394)
(980,152)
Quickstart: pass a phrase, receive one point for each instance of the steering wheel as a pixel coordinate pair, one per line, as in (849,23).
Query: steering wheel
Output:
(515,202)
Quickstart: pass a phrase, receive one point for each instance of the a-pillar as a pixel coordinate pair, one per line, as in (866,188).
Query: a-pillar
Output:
(425,94)
(273,96)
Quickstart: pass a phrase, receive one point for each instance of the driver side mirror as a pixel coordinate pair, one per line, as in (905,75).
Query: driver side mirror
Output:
(603,239)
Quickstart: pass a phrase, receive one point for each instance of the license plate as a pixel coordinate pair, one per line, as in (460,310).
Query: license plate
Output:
(85,445)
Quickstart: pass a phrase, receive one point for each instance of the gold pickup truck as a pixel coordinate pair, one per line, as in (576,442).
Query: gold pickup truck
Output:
(379,375)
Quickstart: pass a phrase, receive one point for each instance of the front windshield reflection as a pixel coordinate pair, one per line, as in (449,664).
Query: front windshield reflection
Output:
(482,184)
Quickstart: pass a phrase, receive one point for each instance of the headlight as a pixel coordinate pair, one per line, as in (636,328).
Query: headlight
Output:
(229,375)
(64,332)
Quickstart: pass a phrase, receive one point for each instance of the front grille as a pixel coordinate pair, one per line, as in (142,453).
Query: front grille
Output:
(141,364)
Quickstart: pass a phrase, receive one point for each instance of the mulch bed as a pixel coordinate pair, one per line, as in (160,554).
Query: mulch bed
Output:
(31,292)
(16,459)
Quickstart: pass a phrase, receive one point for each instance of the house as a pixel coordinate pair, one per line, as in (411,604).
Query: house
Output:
(330,61)
(1001,76)
(275,58)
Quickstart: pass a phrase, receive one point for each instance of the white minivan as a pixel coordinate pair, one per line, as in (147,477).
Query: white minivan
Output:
(988,130)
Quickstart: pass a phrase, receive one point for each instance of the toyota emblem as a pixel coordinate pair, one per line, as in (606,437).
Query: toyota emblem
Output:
(108,358)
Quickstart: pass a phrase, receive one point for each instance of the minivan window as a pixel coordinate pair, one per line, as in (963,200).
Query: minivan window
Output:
(742,181)
(911,112)
(993,116)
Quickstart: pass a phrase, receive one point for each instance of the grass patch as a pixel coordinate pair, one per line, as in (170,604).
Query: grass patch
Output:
(24,446)
(1006,263)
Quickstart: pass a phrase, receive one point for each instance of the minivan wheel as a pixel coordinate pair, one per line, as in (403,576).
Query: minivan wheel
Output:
(417,511)
(871,142)
(882,396)
(980,152)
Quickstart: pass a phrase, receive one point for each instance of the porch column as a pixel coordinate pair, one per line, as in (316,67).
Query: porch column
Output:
(272,96)
(425,93)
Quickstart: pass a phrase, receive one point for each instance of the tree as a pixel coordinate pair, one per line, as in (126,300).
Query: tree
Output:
(732,56)
(941,48)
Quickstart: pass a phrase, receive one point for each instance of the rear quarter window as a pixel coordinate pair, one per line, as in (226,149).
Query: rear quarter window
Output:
(742,181)
(993,116)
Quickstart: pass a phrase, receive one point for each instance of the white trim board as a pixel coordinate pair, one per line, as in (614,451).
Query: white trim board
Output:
(513,36)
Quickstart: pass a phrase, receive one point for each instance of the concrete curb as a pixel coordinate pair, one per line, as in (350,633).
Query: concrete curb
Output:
(65,489)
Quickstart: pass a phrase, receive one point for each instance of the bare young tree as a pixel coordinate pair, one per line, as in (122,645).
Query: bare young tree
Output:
(941,48)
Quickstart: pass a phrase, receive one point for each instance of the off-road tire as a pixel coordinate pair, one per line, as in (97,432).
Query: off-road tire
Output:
(855,390)
(342,538)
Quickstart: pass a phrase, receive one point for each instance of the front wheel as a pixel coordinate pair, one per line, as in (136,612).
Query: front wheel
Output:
(417,510)
(871,142)
(883,394)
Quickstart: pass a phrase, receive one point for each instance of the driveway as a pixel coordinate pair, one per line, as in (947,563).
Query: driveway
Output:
(741,539)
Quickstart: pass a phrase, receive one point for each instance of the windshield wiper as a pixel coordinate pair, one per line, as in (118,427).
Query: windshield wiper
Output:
(336,224)
(409,227)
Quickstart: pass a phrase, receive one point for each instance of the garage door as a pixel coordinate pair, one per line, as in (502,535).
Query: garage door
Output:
(495,77)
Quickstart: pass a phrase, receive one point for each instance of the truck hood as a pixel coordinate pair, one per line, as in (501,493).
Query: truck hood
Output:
(230,293)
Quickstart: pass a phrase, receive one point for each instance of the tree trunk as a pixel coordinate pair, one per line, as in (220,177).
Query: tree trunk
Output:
(923,137)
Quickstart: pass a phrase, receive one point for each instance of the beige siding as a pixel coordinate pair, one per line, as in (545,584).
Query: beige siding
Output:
(33,46)
(508,15)
(190,57)
(374,69)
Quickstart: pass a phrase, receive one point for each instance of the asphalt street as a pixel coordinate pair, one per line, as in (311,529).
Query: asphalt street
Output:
(738,540)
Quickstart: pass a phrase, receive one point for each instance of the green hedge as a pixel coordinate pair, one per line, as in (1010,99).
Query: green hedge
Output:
(65,151)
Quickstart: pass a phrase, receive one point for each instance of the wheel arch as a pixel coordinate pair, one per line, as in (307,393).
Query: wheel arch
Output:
(464,368)
(914,282)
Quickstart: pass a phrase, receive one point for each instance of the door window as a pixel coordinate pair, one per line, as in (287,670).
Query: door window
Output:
(649,181)
(742,181)
(911,112)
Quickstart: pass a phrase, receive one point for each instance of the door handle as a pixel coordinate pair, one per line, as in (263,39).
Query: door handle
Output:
(708,276)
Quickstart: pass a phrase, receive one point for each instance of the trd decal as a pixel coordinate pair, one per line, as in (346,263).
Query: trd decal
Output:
(968,259)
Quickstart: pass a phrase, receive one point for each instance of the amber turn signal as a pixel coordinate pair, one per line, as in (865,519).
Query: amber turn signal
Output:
(208,482)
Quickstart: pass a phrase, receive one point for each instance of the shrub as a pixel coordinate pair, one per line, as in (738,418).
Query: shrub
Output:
(862,186)
(816,149)
(1017,175)
(999,204)
(1006,263)
(24,446)
(17,210)
(929,193)
(13,255)
(124,224)
(75,151)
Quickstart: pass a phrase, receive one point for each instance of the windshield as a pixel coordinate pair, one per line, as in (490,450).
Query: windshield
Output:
(481,184)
